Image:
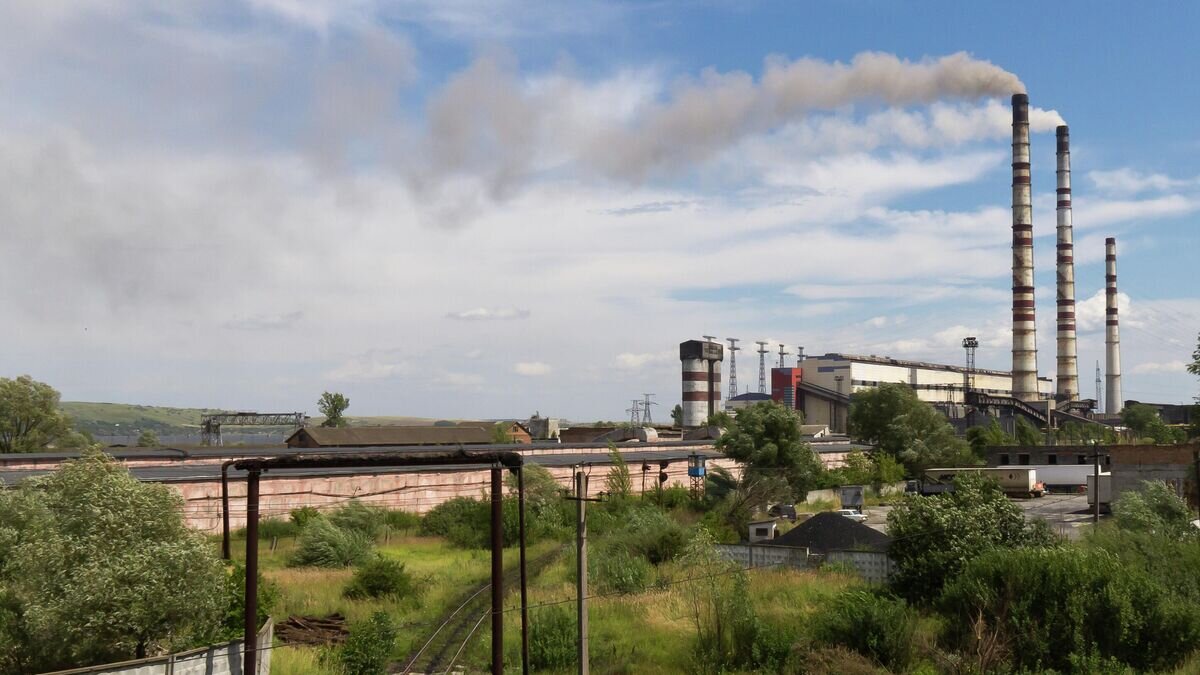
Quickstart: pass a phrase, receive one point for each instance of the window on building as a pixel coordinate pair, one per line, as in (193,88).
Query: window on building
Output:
(1004,459)
(760,531)
(1052,458)
(1023,459)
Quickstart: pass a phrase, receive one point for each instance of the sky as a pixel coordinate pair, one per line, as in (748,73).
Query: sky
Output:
(466,209)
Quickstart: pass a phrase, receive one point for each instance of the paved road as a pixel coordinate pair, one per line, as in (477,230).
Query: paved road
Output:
(1067,515)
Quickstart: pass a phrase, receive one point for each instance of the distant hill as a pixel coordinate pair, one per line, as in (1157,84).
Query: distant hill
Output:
(119,420)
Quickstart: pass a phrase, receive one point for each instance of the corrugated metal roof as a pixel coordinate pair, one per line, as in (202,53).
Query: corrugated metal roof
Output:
(384,436)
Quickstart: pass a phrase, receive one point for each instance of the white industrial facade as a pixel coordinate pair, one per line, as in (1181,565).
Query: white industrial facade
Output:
(845,374)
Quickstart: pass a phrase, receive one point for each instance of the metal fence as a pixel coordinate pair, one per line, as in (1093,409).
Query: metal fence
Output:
(222,659)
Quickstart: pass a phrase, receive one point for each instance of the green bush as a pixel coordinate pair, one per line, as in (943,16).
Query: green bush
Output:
(400,521)
(234,624)
(460,511)
(322,544)
(359,517)
(653,535)
(277,527)
(876,626)
(1063,607)
(380,577)
(614,570)
(675,497)
(303,515)
(552,639)
(369,648)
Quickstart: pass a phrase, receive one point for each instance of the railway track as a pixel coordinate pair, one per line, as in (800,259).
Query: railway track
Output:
(440,651)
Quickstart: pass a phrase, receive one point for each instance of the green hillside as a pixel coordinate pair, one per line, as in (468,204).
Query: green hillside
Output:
(114,419)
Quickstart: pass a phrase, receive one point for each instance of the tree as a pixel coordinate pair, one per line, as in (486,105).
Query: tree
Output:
(1155,509)
(29,415)
(102,568)
(1145,421)
(765,438)
(981,437)
(677,415)
(933,537)
(618,482)
(500,433)
(1194,366)
(332,405)
(1028,434)
(907,428)
(148,439)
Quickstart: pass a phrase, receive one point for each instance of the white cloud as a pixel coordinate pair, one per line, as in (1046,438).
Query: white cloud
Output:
(1091,312)
(372,366)
(486,314)
(640,361)
(1126,181)
(1152,367)
(531,368)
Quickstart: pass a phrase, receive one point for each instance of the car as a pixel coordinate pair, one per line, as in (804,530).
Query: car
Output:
(852,515)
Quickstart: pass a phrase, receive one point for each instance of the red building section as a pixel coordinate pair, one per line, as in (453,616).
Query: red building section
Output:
(783,385)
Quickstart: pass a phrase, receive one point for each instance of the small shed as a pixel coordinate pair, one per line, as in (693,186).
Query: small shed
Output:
(763,530)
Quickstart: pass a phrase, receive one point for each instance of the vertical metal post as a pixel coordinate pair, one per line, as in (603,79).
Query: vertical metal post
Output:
(1096,482)
(1196,457)
(581,493)
(225,510)
(497,572)
(524,578)
(250,650)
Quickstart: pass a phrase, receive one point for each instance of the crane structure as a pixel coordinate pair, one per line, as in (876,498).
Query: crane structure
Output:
(733,350)
(762,366)
(210,425)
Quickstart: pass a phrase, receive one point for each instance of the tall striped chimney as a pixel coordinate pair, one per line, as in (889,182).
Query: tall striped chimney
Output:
(701,363)
(1068,370)
(1112,333)
(1024,351)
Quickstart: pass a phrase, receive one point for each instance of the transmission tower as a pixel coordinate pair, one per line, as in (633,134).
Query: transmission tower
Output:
(646,420)
(970,344)
(733,350)
(635,412)
(781,355)
(762,366)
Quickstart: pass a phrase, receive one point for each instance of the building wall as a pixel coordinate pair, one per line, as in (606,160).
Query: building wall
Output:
(933,384)
(1021,455)
(1171,464)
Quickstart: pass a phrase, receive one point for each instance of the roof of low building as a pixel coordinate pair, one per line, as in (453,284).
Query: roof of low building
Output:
(829,531)
(752,396)
(395,435)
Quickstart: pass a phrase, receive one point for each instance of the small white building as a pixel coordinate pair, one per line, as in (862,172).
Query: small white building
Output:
(763,530)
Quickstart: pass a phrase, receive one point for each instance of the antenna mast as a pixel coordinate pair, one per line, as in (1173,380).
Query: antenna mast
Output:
(762,366)
(733,350)
(781,355)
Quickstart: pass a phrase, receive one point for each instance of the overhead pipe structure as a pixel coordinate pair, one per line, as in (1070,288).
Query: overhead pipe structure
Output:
(1067,383)
(1024,350)
(1112,331)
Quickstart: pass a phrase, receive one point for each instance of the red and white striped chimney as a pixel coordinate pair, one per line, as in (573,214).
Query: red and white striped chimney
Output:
(1024,350)
(1112,334)
(1068,370)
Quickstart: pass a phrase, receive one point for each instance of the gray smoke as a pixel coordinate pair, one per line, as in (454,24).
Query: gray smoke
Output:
(488,129)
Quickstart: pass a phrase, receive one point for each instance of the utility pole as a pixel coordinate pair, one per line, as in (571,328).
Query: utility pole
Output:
(782,354)
(733,350)
(1096,482)
(762,366)
(581,491)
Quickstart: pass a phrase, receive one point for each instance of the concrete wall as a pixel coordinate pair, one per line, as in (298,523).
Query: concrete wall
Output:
(1171,464)
(223,659)
(410,491)
(754,555)
(872,566)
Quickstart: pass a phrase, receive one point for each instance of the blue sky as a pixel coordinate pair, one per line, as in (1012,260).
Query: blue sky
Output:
(467,209)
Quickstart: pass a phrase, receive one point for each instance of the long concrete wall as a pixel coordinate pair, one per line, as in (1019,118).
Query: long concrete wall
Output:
(1170,464)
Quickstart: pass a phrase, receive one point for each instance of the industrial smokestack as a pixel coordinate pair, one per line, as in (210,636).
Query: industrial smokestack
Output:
(1024,351)
(1112,333)
(1068,370)
(701,380)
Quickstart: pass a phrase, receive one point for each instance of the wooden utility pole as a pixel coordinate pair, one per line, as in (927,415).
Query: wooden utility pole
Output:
(581,491)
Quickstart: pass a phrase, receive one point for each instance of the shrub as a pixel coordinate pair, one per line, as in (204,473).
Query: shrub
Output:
(303,515)
(322,544)
(400,521)
(1060,608)
(276,527)
(369,648)
(653,535)
(457,512)
(380,577)
(614,570)
(675,497)
(878,627)
(552,639)
(233,626)
(360,517)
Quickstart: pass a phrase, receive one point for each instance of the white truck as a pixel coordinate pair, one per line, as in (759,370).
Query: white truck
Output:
(1070,478)
(1016,481)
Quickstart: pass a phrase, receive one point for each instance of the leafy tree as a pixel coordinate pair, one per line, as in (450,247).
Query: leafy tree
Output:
(765,438)
(29,415)
(718,605)
(332,406)
(500,434)
(618,483)
(1028,434)
(907,428)
(1194,366)
(934,537)
(1155,509)
(148,439)
(1145,421)
(677,415)
(990,435)
(101,568)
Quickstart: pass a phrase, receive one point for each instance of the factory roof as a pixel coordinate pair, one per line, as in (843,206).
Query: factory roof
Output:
(752,396)
(884,360)
(347,437)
